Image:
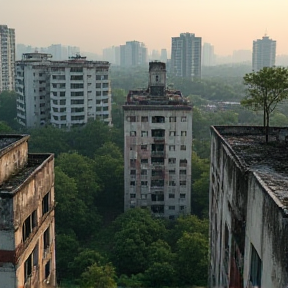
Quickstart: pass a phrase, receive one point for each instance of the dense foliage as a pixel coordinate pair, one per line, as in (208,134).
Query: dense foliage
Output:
(97,245)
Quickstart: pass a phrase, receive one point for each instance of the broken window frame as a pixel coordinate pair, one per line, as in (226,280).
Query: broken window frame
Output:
(28,225)
(46,202)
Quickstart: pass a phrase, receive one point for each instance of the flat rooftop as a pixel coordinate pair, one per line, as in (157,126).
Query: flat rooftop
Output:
(144,97)
(7,141)
(268,160)
(35,161)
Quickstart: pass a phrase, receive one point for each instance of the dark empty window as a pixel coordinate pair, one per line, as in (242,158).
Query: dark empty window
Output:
(183,163)
(144,161)
(182,183)
(143,147)
(133,163)
(158,133)
(255,268)
(46,238)
(28,225)
(144,183)
(144,172)
(28,268)
(157,183)
(157,173)
(47,269)
(172,183)
(46,203)
(172,160)
(157,209)
(157,196)
(158,119)
(131,118)
(144,119)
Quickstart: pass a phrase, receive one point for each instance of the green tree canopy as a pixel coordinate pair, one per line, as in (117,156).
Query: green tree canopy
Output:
(265,89)
(192,258)
(99,276)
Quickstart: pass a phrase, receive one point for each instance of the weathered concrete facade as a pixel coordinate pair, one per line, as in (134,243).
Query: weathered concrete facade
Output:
(27,238)
(62,93)
(248,208)
(158,140)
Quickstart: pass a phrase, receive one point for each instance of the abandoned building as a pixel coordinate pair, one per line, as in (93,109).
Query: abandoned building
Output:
(248,208)
(27,239)
(64,94)
(158,140)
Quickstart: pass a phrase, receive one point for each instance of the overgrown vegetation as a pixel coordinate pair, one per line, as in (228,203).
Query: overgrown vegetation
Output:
(97,245)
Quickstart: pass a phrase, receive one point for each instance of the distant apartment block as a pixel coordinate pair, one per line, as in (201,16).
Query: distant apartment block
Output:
(133,53)
(208,56)
(62,93)
(7,58)
(58,51)
(164,55)
(186,56)
(27,223)
(112,54)
(264,53)
(158,147)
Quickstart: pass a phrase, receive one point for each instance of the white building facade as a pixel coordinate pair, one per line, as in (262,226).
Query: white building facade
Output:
(7,58)
(158,147)
(62,93)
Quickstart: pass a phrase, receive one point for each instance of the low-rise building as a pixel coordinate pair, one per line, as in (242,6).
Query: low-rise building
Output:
(27,225)
(248,208)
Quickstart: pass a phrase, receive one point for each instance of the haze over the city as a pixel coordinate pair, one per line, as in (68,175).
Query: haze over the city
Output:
(96,24)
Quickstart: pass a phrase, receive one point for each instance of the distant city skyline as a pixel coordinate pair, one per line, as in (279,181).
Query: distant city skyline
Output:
(94,25)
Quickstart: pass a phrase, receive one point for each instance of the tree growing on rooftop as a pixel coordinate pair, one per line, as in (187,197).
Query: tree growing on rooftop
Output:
(265,89)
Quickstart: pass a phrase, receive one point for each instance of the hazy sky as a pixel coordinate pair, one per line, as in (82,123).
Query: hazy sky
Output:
(96,24)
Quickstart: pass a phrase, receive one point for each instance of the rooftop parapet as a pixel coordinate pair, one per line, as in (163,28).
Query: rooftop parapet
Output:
(268,161)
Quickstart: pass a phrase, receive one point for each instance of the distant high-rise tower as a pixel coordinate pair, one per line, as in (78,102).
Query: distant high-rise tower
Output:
(264,53)
(7,58)
(208,56)
(186,56)
(133,53)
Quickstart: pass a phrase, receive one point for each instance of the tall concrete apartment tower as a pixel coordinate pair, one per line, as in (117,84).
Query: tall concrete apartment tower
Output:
(27,223)
(158,140)
(62,93)
(7,58)
(264,53)
(186,56)
(133,53)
